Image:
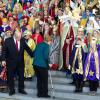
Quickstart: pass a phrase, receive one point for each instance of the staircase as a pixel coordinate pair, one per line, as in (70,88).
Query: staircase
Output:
(62,90)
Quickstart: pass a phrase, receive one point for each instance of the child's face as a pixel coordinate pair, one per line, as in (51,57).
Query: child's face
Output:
(37,31)
(60,12)
(28,4)
(4,23)
(25,20)
(87,12)
(17,6)
(1,14)
(10,19)
(45,13)
(46,26)
(80,32)
(22,23)
(9,1)
(0,3)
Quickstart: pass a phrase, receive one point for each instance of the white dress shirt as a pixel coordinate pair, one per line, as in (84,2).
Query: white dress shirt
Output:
(18,43)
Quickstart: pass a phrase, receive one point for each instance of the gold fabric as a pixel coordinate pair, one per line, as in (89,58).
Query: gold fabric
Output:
(29,71)
(79,56)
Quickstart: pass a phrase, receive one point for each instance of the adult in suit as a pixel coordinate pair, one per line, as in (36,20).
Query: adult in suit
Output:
(13,60)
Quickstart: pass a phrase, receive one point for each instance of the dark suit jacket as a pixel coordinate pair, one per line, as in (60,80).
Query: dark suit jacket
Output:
(11,55)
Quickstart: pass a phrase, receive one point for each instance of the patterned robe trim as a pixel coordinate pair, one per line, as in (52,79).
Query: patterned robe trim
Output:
(64,32)
(79,56)
(84,47)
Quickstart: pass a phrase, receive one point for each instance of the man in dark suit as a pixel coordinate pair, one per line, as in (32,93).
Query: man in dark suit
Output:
(13,60)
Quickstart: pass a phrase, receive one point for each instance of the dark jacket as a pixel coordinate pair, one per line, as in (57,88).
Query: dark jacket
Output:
(11,55)
(41,55)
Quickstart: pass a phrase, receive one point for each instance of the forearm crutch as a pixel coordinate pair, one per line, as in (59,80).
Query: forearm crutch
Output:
(53,93)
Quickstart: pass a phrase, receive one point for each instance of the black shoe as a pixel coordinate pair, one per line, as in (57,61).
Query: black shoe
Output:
(76,91)
(80,91)
(47,96)
(44,96)
(40,96)
(28,79)
(11,93)
(22,91)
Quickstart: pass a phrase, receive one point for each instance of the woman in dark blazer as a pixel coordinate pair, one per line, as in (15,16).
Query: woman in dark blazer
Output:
(41,66)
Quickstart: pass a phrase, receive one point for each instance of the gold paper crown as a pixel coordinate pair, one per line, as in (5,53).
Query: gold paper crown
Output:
(4,20)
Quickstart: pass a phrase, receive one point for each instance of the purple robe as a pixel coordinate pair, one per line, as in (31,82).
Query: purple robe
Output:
(5,28)
(92,67)
(98,48)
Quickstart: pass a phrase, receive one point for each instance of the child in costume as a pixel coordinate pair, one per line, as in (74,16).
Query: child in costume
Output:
(12,22)
(27,6)
(37,37)
(55,49)
(77,60)
(4,27)
(68,44)
(18,10)
(3,77)
(10,5)
(92,65)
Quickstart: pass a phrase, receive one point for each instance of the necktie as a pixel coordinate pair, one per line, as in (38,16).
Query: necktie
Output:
(17,45)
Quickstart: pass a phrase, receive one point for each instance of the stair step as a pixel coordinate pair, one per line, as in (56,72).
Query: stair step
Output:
(57,87)
(62,90)
(55,80)
(58,73)
(76,96)
(67,95)
(4,96)
(59,80)
(58,96)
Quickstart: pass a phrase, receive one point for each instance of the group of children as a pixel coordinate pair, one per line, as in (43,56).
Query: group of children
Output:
(73,25)
(84,62)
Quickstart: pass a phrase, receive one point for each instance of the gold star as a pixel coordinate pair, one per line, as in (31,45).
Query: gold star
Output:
(91,73)
(77,71)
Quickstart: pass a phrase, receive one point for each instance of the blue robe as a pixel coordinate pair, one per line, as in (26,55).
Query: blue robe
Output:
(76,66)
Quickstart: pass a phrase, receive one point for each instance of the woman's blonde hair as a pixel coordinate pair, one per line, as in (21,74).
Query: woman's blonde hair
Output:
(47,38)
(17,8)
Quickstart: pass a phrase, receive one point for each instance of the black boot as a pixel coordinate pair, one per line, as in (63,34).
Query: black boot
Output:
(76,86)
(81,86)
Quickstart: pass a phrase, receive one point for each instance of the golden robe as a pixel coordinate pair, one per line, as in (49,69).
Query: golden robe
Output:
(29,71)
